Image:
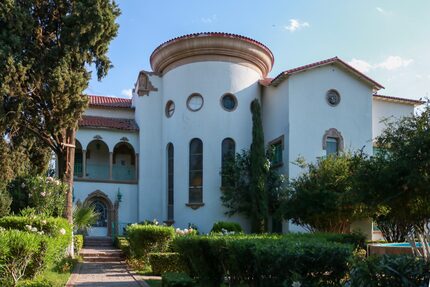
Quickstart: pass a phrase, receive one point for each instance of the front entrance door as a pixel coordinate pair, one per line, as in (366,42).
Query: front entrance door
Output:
(100,228)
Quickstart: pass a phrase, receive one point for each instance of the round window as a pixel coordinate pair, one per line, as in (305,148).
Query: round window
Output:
(195,102)
(170,109)
(333,98)
(229,102)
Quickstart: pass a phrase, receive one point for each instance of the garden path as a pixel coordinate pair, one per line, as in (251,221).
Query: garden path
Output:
(103,266)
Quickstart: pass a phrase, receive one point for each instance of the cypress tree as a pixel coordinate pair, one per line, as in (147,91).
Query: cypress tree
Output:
(258,171)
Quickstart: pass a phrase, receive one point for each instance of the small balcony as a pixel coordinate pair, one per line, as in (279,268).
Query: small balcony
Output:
(98,164)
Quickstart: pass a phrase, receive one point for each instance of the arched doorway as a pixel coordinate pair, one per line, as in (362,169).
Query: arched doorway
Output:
(108,214)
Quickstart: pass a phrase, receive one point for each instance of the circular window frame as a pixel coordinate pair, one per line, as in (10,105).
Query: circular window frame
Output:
(190,97)
(234,99)
(166,109)
(327,97)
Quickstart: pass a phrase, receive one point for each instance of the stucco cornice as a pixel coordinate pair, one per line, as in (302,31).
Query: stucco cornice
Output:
(212,47)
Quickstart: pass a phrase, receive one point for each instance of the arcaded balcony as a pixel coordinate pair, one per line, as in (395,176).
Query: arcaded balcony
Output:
(97,163)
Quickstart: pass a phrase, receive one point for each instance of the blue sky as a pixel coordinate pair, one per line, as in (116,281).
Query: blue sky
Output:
(387,40)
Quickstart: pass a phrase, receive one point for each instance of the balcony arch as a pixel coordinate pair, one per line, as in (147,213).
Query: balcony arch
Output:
(124,162)
(97,159)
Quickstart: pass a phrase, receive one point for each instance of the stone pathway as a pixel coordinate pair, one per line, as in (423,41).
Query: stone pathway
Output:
(103,266)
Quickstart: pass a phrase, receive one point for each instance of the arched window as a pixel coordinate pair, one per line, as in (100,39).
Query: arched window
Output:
(196,171)
(332,141)
(78,171)
(170,177)
(228,150)
(123,162)
(97,160)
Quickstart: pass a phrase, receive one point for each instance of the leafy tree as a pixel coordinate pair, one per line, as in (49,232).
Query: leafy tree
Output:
(250,186)
(395,183)
(46,47)
(323,198)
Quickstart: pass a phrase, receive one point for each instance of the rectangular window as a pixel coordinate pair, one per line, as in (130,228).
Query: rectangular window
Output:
(278,147)
(332,146)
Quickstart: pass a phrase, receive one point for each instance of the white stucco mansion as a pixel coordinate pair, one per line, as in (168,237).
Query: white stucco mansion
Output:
(159,154)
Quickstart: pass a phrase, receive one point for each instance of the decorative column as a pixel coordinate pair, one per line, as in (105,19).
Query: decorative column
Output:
(84,163)
(136,167)
(110,164)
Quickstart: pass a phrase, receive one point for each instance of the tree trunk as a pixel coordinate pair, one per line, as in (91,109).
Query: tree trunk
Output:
(66,163)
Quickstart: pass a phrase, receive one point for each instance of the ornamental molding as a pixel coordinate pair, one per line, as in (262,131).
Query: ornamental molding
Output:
(144,85)
(333,133)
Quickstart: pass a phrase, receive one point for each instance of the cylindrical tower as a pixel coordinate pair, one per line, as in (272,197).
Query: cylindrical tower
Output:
(208,82)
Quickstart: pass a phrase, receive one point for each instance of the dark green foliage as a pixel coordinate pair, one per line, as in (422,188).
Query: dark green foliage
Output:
(265,260)
(123,244)
(35,284)
(78,241)
(257,173)
(323,198)
(145,239)
(162,262)
(177,280)
(228,226)
(5,202)
(394,184)
(84,217)
(389,271)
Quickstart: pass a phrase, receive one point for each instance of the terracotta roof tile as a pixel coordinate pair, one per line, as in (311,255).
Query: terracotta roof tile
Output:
(109,102)
(399,100)
(279,78)
(108,123)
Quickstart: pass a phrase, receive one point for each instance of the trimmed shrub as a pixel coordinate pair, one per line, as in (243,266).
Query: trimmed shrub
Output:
(390,270)
(123,244)
(166,262)
(227,226)
(176,280)
(265,260)
(145,239)
(19,255)
(78,241)
(57,230)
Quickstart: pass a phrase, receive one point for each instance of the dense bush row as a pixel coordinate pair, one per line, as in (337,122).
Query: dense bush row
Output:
(225,226)
(265,260)
(29,245)
(162,262)
(145,239)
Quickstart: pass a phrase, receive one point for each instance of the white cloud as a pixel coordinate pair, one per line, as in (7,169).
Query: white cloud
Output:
(360,65)
(394,62)
(383,11)
(127,93)
(296,25)
(390,63)
(209,20)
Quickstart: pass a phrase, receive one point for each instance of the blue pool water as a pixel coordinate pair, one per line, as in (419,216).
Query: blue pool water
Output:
(403,244)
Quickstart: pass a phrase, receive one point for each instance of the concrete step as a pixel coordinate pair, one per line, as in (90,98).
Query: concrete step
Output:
(102,259)
(102,255)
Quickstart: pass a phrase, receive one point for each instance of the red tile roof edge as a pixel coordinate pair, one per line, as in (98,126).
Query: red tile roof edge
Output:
(109,123)
(214,34)
(398,99)
(286,73)
(109,102)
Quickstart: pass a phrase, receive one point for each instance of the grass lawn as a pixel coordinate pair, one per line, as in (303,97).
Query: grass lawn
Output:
(154,283)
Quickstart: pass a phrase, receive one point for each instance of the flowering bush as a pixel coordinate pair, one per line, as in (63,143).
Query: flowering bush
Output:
(185,231)
(46,195)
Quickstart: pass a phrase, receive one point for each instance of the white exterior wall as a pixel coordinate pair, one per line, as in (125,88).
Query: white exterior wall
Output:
(127,212)
(311,116)
(390,111)
(110,113)
(211,124)
(148,115)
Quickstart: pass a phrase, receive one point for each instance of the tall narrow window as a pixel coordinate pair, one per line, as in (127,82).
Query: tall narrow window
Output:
(332,146)
(170,178)
(228,150)
(196,171)
(278,146)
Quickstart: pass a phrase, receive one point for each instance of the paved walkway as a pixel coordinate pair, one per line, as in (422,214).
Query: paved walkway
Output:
(103,266)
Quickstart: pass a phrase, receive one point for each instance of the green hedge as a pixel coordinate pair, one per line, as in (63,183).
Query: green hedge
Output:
(145,239)
(177,280)
(78,242)
(57,233)
(390,270)
(166,262)
(123,244)
(35,284)
(265,260)
(228,226)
